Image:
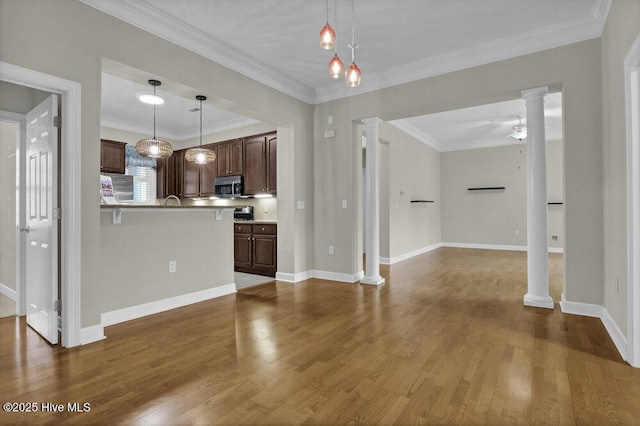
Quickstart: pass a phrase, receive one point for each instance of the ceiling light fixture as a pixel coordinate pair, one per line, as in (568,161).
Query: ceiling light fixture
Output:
(518,131)
(200,155)
(327,34)
(150,99)
(154,148)
(353,74)
(336,67)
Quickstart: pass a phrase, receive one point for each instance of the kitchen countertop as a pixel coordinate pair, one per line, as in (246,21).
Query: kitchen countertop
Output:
(159,206)
(249,222)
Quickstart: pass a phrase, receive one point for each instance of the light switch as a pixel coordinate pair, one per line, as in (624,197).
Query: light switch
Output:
(328,134)
(330,119)
(344,204)
(300,205)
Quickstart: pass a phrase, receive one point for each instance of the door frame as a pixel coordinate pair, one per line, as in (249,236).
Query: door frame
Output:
(632,106)
(20,121)
(70,157)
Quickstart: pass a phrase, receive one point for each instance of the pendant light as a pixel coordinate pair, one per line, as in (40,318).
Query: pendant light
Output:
(154,148)
(353,74)
(335,64)
(518,131)
(327,34)
(200,155)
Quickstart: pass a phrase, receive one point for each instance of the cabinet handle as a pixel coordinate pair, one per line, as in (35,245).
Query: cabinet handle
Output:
(248,238)
(254,239)
(263,229)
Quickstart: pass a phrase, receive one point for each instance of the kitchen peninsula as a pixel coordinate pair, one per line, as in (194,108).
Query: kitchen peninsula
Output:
(163,257)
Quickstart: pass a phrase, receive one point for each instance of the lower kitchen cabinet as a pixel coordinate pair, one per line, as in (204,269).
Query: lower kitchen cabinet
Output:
(255,248)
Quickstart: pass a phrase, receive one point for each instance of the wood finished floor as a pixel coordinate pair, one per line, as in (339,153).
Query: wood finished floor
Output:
(446,340)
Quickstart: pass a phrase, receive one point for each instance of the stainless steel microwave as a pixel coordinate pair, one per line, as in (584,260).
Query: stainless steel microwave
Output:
(228,186)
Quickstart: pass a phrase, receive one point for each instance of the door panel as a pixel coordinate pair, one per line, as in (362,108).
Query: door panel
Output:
(223,159)
(42,228)
(272,171)
(235,158)
(254,166)
(264,252)
(242,250)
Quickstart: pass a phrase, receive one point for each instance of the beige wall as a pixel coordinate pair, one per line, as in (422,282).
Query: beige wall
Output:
(574,69)
(19,99)
(8,203)
(623,26)
(70,40)
(135,255)
(413,173)
(496,217)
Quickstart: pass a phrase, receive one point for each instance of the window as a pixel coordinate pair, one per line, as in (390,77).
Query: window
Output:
(144,184)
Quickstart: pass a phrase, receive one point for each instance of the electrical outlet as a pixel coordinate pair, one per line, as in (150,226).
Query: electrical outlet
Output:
(331,250)
(330,119)
(172,267)
(517,232)
(554,238)
(344,204)
(300,205)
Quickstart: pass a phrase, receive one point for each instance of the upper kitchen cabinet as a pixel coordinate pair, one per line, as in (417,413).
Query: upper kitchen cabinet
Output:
(260,164)
(177,176)
(229,158)
(208,174)
(166,177)
(112,156)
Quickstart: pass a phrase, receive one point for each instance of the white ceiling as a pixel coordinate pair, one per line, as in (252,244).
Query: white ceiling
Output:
(481,126)
(122,110)
(275,41)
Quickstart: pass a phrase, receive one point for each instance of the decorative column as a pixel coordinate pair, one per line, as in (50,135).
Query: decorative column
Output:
(372,204)
(537,254)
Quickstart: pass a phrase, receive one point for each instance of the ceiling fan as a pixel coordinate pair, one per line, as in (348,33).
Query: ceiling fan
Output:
(518,131)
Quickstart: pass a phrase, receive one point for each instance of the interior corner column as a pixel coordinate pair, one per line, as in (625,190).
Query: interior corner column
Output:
(372,204)
(537,254)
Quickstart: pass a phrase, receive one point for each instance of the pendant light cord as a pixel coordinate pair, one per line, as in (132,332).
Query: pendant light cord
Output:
(327,12)
(336,25)
(353,31)
(200,123)
(154,115)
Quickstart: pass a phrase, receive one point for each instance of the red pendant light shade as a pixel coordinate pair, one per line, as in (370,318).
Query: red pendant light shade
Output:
(353,75)
(327,37)
(335,67)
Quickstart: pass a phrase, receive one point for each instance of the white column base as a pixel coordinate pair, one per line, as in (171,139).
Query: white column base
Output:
(538,302)
(372,280)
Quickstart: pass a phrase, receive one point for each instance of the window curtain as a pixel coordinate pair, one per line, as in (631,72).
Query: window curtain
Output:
(133,159)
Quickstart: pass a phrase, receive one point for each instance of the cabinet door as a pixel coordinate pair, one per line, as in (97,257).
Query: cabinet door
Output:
(208,175)
(235,157)
(223,159)
(190,178)
(272,174)
(166,177)
(178,162)
(242,248)
(264,252)
(255,165)
(112,156)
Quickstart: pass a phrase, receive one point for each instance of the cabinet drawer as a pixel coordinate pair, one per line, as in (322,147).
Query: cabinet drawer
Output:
(241,229)
(265,229)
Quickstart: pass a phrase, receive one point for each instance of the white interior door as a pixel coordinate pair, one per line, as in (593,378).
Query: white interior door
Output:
(41,232)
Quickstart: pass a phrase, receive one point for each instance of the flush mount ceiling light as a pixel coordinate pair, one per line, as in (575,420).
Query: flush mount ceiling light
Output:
(336,67)
(327,34)
(200,155)
(154,148)
(353,74)
(518,131)
(150,99)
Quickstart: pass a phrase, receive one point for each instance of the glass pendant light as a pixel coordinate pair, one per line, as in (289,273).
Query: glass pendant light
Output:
(353,74)
(200,155)
(518,131)
(327,34)
(154,148)
(335,64)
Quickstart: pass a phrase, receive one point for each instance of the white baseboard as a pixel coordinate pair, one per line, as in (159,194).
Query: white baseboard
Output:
(138,311)
(92,334)
(409,255)
(337,276)
(9,292)
(496,247)
(598,311)
(614,331)
(294,278)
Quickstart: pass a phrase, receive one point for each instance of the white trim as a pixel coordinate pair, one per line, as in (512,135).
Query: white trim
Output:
(294,278)
(139,311)
(338,276)
(616,334)
(92,334)
(147,17)
(409,255)
(70,188)
(496,247)
(556,250)
(9,292)
(562,34)
(579,308)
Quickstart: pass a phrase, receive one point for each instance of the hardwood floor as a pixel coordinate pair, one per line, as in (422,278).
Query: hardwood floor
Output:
(446,340)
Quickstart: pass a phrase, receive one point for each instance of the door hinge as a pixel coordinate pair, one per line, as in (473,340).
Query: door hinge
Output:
(57,215)
(57,305)
(57,122)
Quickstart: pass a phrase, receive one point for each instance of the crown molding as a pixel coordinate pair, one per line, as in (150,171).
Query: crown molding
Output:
(549,37)
(178,137)
(142,14)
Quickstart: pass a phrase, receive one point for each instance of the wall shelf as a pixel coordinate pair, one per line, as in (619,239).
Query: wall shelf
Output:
(487,188)
(422,201)
(555,204)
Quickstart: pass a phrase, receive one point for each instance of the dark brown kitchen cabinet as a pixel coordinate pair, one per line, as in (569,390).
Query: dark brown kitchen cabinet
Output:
(230,156)
(192,179)
(255,248)
(260,171)
(166,177)
(112,156)
(208,175)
